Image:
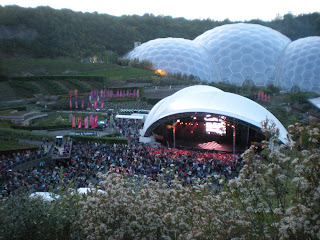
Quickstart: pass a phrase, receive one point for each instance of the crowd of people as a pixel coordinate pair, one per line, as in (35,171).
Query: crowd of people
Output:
(6,161)
(137,160)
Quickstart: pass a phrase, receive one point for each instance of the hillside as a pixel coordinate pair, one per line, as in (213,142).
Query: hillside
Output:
(27,77)
(45,32)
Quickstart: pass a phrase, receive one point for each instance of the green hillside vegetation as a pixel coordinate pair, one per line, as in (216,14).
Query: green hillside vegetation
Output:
(45,32)
(27,77)
(11,144)
(46,66)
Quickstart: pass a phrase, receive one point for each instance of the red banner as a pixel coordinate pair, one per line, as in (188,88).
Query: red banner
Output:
(79,122)
(96,121)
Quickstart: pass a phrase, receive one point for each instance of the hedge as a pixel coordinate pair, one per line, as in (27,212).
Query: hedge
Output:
(43,127)
(18,149)
(107,140)
(18,108)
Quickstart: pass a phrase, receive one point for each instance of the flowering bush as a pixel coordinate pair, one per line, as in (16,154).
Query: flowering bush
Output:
(275,196)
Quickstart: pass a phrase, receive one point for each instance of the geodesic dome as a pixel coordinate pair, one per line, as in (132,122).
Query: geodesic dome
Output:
(301,65)
(177,55)
(239,54)
(245,52)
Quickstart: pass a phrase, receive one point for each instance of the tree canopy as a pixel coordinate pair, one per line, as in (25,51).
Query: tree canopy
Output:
(46,32)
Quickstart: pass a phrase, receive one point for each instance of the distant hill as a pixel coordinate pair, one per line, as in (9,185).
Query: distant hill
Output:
(48,33)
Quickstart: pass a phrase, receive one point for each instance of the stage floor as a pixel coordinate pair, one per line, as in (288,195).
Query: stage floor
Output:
(211,146)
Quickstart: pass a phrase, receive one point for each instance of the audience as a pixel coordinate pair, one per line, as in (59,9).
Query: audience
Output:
(136,160)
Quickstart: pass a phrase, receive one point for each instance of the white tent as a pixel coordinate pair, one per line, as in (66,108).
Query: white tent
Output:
(134,116)
(209,99)
(85,190)
(47,196)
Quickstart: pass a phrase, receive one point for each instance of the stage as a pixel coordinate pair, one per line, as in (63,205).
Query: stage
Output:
(210,146)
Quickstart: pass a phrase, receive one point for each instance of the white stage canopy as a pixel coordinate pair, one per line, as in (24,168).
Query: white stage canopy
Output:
(207,99)
(134,116)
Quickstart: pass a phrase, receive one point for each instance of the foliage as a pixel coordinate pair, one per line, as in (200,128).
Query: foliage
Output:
(276,196)
(24,134)
(24,89)
(13,144)
(52,33)
(152,101)
(23,217)
(300,97)
(43,127)
(108,140)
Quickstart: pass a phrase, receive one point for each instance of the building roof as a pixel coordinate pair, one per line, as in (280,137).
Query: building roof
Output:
(212,100)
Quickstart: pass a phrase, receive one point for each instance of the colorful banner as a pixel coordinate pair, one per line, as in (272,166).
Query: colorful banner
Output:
(82,103)
(138,93)
(73,121)
(70,93)
(76,93)
(70,104)
(76,104)
(86,123)
(96,121)
(102,105)
(79,122)
(91,120)
(95,104)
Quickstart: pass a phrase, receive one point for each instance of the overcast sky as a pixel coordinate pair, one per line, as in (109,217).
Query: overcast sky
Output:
(234,10)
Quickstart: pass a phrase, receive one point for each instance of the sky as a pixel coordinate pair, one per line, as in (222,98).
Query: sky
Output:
(219,10)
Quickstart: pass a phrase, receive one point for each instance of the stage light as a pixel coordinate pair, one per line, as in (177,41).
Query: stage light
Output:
(194,118)
(178,120)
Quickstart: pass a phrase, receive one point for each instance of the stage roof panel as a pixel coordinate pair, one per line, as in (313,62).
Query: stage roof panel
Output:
(208,99)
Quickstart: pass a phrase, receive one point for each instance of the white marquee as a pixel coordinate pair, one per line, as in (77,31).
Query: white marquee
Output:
(208,99)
